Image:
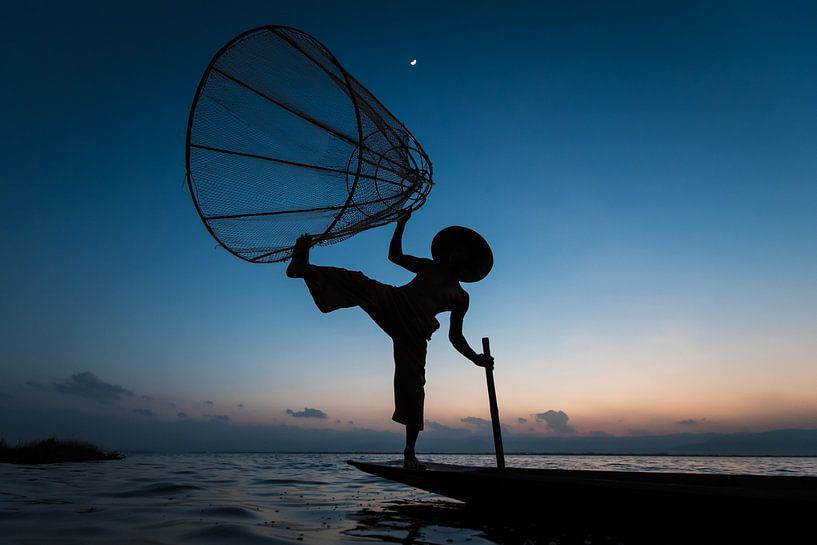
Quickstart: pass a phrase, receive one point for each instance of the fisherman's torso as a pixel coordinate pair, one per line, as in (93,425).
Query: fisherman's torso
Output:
(435,290)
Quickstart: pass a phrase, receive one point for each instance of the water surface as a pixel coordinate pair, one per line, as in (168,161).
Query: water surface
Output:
(286,499)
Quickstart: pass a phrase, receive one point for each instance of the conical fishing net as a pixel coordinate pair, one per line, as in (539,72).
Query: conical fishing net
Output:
(282,141)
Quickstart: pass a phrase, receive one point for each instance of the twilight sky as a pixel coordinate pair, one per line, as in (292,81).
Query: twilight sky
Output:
(645,172)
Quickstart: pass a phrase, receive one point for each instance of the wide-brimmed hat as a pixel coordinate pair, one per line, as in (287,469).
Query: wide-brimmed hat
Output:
(477,254)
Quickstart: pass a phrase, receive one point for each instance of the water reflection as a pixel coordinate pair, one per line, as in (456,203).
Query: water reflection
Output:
(442,522)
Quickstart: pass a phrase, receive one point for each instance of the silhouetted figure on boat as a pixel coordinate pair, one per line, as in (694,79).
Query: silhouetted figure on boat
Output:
(407,313)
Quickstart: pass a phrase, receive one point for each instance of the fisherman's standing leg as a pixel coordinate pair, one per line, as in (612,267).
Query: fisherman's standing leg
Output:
(409,395)
(409,455)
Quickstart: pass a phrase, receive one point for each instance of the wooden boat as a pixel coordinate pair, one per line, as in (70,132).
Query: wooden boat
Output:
(743,504)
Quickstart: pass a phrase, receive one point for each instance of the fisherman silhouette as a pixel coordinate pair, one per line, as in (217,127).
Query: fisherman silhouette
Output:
(407,313)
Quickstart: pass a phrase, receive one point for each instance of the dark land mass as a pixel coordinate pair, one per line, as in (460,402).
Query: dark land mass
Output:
(53,450)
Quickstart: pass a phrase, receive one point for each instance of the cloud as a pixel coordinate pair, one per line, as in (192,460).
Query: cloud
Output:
(689,422)
(480,423)
(146,398)
(638,432)
(441,431)
(307,413)
(555,421)
(208,402)
(90,386)
(219,418)
(522,420)
(36,385)
(436,426)
(172,404)
(182,415)
(145,412)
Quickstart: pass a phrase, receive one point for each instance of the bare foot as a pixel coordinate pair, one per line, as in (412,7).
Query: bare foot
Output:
(299,263)
(410,461)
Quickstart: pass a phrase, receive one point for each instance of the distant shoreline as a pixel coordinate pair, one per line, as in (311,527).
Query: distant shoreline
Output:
(54,451)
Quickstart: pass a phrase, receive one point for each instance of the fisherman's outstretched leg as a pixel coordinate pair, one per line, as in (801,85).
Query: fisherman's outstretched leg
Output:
(299,264)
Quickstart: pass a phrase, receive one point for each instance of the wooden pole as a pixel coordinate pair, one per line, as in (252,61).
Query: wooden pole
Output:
(489,375)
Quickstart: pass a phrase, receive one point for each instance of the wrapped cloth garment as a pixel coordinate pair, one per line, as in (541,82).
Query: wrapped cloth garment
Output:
(401,315)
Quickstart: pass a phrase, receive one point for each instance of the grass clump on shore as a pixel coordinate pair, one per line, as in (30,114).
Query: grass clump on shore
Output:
(53,450)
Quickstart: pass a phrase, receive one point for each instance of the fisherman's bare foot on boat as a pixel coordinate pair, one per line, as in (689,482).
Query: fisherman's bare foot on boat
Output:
(410,461)
(299,263)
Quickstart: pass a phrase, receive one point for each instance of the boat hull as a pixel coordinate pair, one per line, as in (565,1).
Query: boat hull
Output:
(739,504)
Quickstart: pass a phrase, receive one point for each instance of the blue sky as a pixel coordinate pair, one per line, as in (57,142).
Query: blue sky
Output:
(645,172)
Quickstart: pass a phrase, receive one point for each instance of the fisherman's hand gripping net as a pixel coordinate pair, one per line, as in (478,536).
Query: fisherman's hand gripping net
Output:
(283,141)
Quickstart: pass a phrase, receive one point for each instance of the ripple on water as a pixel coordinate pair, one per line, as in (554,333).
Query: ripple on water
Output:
(158,489)
(235,533)
(290,482)
(228,512)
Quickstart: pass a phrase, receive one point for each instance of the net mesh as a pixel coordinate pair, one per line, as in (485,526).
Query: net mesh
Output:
(283,141)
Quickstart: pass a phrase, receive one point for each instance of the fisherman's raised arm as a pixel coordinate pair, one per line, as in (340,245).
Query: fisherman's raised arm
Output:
(456,337)
(396,255)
